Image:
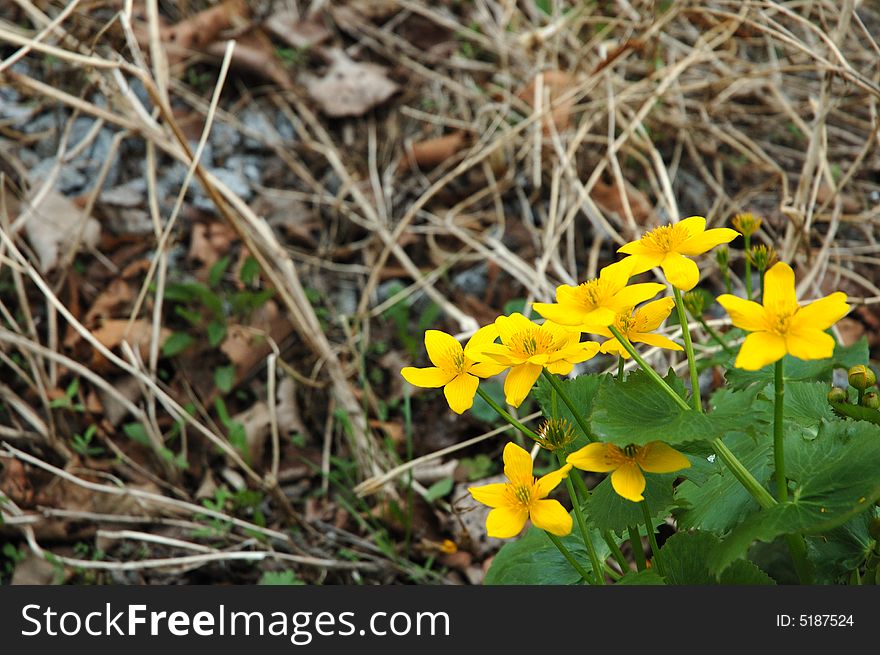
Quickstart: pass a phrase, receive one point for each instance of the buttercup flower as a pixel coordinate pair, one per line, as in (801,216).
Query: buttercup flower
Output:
(637,327)
(453,370)
(526,348)
(597,301)
(669,247)
(627,464)
(780,326)
(523,497)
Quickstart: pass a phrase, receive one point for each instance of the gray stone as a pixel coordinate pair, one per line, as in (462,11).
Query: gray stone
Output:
(472,280)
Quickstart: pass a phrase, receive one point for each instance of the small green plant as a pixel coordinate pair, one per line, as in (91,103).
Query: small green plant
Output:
(286,578)
(82,443)
(69,400)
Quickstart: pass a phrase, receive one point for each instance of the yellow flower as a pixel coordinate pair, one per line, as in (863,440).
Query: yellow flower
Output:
(453,370)
(523,497)
(669,247)
(780,326)
(637,327)
(526,348)
(597,301)
(626,464)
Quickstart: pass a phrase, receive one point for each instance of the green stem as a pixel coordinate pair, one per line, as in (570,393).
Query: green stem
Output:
(557,386)
(798,548)
(635,540)
(727,285)
(778,441)
(761,276)
(567,555)
(628,347)
(614,575)
(507,417)
(652,538)
(689,349)
(583,494)
(599,578)
(712,332)
(860,395)
(730,460)
(620,362)
(747,239)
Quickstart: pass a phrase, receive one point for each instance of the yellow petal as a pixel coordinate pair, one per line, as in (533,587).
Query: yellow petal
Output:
(821,314)
(809,344)
(486,369)
(517,464)
(428,378)
(442,349)
(652,315)
(597,457)
(486,334)
(549,482)
(519,381)
(560,367)
(494,353)
(760,349)
(460,392)
(629,482)
(506,522)
(658,457)
(779,293)
(510,325)
(697,245)
(558,313)
(645,262)
(656,340)
(635,294)
(745,314)
(637,248)
(693,225)
(616,275)
(613,347)
(680,271)
(551,516)
(493,495)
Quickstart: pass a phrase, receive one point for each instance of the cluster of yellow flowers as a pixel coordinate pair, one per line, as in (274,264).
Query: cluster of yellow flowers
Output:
(600,307)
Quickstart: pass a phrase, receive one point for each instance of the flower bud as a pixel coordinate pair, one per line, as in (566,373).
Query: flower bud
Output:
(722,256)
(861,377)
(871,400)
(762,257)
(694,302)
(747,223)
(555,434)
(837,395)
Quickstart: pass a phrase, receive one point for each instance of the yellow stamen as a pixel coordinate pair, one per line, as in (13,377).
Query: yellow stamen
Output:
(665,238)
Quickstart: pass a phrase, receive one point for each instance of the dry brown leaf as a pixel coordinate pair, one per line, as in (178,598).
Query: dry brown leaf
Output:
(257,418)
(375,9)
(255,53)
(113,332)
(349,88)
(201,29)
(432,152)
(109,302)
(54,224)
(210,242)
(296,32)
(34,570)
(555,83)
(247,346)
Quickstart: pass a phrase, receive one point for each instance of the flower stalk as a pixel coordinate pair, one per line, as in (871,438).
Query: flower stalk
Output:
(568,556)
(506,416)
(652,538)
(635,540)
(689,349)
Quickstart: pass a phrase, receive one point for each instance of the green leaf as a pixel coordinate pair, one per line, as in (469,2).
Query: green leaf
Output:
(534,560)
(216,333)
(137,432)
(250,271)
(799,369)
(439,489)
(606,510)
(835,478)
(481,409)
(843,549)
(685,558)
(646,577)
(176,343)
(581,390)
(719,502)
(280,578)
(217,271)
(224,378)
(637,411)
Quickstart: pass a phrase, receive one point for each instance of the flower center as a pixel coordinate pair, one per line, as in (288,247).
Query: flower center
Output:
(781,322)
(523,494)
(625,322)
(456,356)
(533,341)
(665,238)
(592,293)
(631,451)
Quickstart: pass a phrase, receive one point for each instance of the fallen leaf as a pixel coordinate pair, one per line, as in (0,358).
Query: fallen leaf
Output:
(349,88)
(112,332)
(607,196)
(257,419)
(254,52)
(209,242)
(54,224)
(375,9)
(433,152)
(296,32)
(554,84)
(247,346)
(203,28)
(34,570)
